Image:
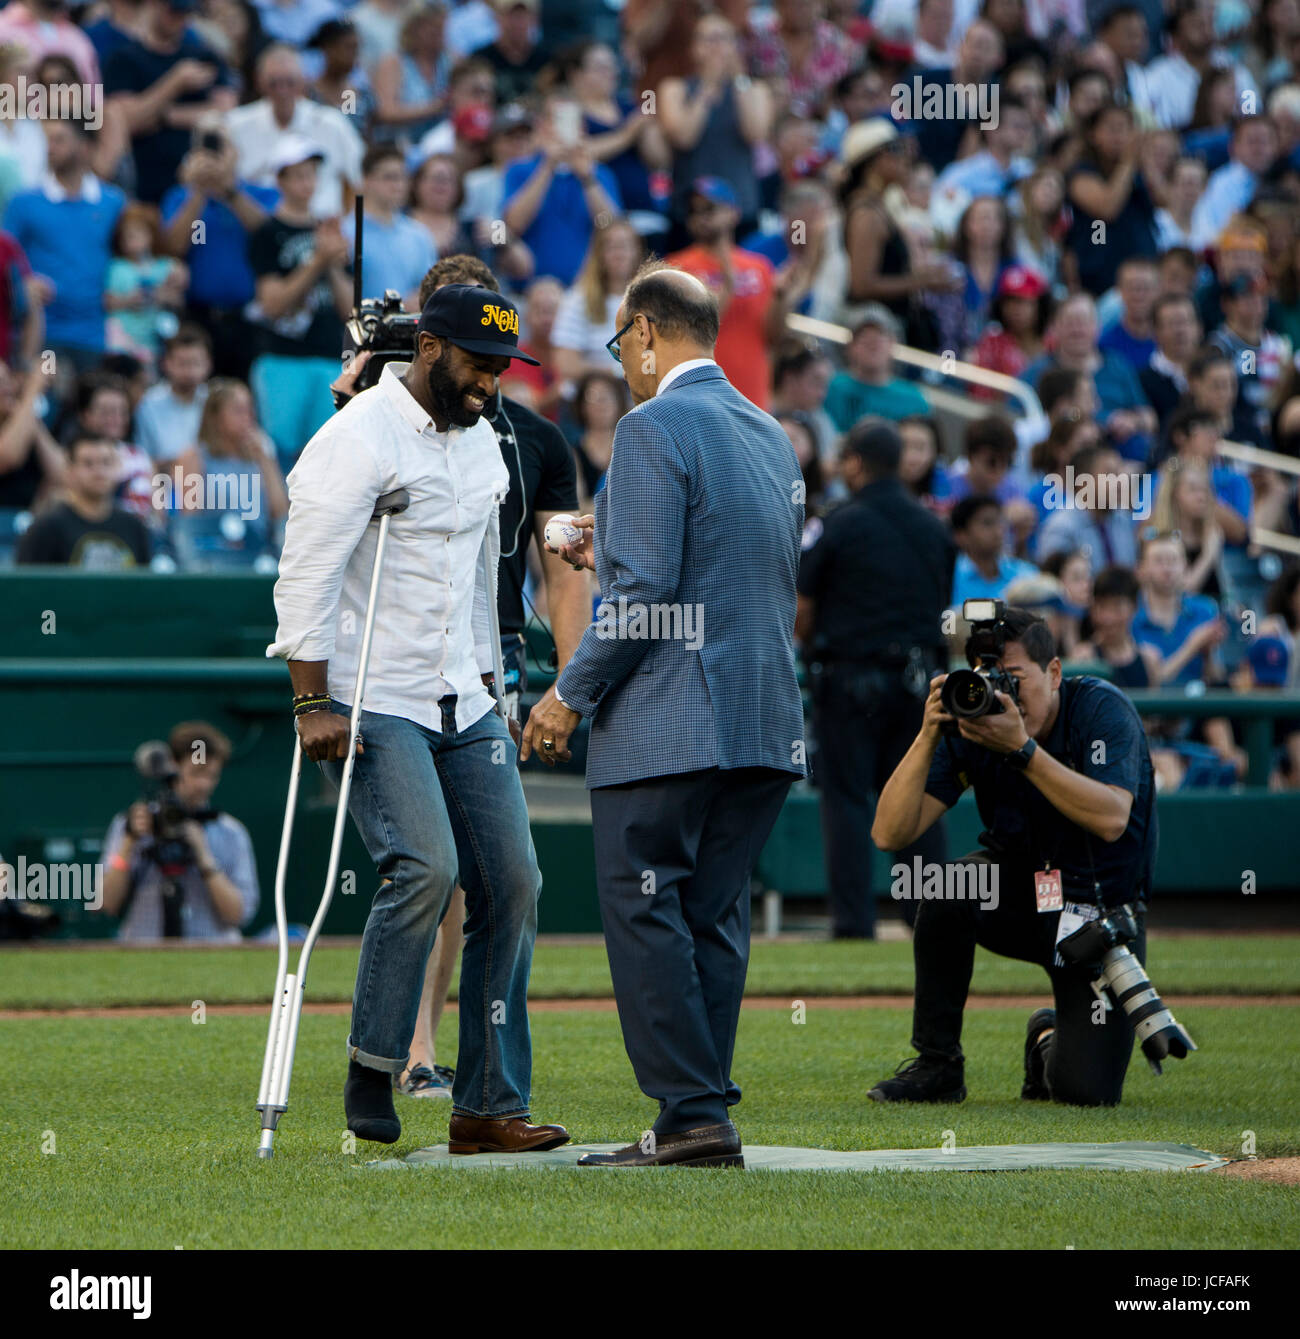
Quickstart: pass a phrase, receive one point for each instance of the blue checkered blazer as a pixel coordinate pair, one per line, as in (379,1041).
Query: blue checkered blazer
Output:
(690,662)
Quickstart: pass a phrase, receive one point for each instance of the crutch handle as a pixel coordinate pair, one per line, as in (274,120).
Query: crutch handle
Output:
(390,504)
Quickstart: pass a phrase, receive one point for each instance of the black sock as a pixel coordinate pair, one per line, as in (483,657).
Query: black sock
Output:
(368,1103)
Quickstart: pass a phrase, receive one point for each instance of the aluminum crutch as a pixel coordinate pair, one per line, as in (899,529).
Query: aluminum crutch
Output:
(286,1004)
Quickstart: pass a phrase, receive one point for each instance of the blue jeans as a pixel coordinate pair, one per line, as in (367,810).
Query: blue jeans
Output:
(431,806)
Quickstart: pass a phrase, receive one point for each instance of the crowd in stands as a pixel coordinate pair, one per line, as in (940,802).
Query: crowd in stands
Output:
(1115,224)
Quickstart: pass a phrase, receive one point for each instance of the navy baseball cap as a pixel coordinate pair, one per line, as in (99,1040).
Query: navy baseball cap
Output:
(476,319)
(1269,661)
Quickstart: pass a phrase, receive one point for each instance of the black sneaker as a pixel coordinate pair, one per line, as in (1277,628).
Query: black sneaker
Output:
(923,1079)
(1035,1085)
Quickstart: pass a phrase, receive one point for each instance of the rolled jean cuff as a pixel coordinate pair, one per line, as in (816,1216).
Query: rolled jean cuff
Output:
(375,1061)
(489,1115)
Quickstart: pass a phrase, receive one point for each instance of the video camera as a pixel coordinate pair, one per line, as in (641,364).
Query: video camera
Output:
(969,693)
(1103,941)
(377,326)
(171,848)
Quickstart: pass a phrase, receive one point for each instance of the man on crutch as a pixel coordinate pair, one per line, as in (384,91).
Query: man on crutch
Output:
(435,790)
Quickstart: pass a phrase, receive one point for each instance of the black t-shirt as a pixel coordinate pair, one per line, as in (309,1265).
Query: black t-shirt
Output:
(314,328)
(1096,733)
(592,474)
(549,483)
(1132,232)
(19,486)
(513,81)
(938,137)
(880,573)
(62,536)
(135,68)
(1161,391)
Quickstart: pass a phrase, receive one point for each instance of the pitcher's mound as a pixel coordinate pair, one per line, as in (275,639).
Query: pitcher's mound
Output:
(1277,1171)
(1132,1156)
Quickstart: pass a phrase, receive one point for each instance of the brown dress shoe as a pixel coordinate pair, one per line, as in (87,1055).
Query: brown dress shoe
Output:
(472,1134)
(706,1146)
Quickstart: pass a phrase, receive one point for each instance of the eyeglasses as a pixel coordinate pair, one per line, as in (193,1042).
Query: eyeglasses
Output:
(613,344)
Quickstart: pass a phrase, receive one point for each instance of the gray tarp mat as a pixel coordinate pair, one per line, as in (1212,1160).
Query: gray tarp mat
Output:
(1129,1156)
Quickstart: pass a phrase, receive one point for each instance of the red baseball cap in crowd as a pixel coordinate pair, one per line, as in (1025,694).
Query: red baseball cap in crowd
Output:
(1019,281)
(890,47)
(473,123)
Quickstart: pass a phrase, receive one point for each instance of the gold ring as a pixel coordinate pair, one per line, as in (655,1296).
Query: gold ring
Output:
(548,743)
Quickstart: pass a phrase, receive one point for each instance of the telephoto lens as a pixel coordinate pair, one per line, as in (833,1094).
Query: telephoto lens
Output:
(1158,1032)
(1102,940)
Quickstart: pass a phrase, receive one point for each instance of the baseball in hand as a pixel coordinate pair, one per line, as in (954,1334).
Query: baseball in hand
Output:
(561,530)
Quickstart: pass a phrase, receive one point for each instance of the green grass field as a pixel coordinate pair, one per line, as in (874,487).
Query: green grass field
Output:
(153,1131)
(62,978)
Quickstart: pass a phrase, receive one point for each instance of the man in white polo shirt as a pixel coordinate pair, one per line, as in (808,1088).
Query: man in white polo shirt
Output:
(258,128)
(435,789)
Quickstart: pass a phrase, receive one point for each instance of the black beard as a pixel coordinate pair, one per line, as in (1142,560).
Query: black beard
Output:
(448,396)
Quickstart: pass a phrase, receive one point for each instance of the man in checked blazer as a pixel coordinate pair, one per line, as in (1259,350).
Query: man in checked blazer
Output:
(688,677)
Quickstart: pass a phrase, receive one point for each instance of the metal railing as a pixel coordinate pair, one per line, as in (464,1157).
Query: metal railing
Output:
(1025,396)
(930,362)
(1267,460)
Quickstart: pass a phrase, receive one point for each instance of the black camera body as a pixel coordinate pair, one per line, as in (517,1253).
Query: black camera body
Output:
(971,693)
(379,327)
(171,848)
(1092,941)
(1103,944)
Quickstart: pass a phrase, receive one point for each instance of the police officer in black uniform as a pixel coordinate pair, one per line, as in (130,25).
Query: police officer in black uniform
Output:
(873,585)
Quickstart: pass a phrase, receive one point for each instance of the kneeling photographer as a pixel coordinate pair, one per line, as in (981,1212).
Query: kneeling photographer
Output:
(1064,786)
(175,867)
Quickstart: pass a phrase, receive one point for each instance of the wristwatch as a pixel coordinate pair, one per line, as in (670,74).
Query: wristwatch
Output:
(561,701)
(1019,758)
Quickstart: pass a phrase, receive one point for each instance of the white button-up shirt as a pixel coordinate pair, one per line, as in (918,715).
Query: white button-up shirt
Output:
(1172,84)
(674,372)
(432,632)
(256,136)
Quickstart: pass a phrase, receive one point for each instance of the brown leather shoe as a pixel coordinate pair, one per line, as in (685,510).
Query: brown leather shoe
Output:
(707,1146)
(472,1134)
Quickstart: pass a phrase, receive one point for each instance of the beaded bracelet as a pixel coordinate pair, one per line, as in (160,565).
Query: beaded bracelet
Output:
(310,702)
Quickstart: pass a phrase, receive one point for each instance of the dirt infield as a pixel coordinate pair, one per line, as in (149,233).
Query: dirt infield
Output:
(1274,1171)
(607,1005)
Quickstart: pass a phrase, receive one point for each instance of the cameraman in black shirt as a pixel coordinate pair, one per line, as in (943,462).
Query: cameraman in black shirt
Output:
(1064,784)
(543,483)
(873,585)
